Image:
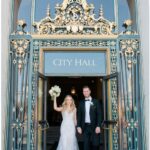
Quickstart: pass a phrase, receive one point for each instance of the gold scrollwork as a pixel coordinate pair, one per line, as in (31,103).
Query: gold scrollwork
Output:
(20,47)
(129,48)
(74,17)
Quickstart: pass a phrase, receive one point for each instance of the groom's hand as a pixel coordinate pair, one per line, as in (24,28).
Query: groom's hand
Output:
(79,130)
(97,130)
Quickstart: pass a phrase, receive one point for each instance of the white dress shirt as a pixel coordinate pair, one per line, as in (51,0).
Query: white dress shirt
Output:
(87,109)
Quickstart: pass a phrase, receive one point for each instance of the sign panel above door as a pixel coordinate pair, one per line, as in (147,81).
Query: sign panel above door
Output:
(81,63)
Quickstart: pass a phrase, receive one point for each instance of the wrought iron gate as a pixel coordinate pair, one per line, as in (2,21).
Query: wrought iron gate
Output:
(25,55)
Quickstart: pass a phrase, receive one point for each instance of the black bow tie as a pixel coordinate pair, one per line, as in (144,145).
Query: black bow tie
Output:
(87,100)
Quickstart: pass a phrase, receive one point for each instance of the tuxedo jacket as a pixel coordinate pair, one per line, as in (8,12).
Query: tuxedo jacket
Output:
(95,114)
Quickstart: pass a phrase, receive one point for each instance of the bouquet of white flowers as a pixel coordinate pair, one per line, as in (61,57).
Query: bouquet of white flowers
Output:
(55,91)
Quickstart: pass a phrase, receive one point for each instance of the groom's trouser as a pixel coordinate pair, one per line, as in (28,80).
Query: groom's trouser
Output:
(90,137)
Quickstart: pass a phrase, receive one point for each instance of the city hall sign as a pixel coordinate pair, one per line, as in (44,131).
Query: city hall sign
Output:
(74,63)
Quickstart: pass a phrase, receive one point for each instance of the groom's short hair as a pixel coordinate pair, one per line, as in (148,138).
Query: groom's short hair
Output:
(86,87)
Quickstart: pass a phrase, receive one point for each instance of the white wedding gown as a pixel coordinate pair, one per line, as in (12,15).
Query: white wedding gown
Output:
(68,140)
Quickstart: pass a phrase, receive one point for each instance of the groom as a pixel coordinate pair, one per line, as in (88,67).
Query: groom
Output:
(88,120)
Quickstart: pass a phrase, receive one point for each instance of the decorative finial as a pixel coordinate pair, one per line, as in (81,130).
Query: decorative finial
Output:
(48,10)
(101,13)
(21,24)
(127,24)
(128,27)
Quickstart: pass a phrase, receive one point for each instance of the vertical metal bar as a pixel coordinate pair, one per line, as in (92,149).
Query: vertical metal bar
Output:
(116,14)
(104,107)
(119,111)
(128,105)
(135,103)
(123,93)
(33,9)
(128,117)
(9,132)
(15,101)
(45,109)
(136,15)
(136,89)
(13,90)
(126,86)
(133,91)
(22,89)
(134,76)
(12,15)
(122,81)
(29,99)
(140,142)
(25,85)
(36,112)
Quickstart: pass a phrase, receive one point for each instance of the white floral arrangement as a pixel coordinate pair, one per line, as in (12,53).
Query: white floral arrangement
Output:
(91,103)
(55,91)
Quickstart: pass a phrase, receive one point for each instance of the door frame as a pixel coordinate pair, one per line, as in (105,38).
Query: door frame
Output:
(106,89)
(44,115)
(40,44)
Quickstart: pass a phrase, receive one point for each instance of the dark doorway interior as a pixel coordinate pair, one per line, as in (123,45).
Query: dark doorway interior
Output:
(73,86)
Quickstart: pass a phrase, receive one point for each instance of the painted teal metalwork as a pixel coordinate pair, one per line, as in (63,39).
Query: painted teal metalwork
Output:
(24,62)
(19,65)
(129,56)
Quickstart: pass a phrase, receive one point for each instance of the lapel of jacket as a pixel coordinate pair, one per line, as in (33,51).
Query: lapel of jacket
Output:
(90,109)
(84,108)
(92,101)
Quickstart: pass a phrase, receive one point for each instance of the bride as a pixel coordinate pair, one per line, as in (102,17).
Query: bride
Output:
(68,140)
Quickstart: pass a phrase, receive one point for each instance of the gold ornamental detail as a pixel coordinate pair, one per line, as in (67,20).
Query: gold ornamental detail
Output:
(74,17)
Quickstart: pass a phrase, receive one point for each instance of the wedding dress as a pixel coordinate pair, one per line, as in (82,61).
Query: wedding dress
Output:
(68,140)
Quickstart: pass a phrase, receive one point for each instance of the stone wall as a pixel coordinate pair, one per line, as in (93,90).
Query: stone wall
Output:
(7,15)
(6,21)
(143,24)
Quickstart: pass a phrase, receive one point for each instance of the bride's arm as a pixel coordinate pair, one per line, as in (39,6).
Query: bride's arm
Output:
(55,105)
(75,116)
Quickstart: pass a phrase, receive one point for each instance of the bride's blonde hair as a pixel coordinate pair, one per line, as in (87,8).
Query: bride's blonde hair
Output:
(64,104)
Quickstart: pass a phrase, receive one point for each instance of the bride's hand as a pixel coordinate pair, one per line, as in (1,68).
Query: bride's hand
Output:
(54,97)
(79,130)
(97,130)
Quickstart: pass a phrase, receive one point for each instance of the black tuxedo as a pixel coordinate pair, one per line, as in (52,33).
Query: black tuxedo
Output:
(89,129)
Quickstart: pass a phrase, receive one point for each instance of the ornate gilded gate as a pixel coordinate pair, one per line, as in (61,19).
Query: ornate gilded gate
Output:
(74,27)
